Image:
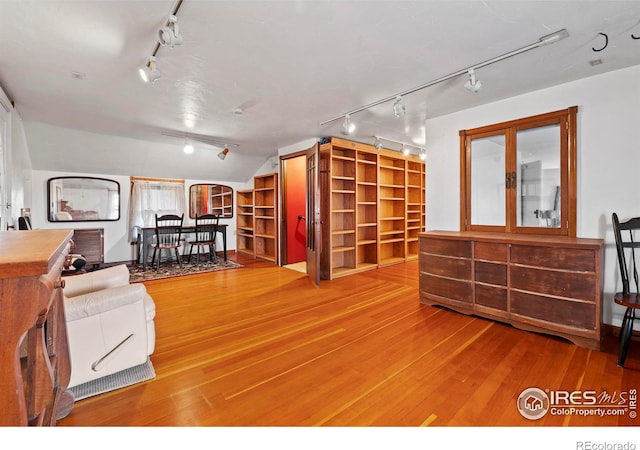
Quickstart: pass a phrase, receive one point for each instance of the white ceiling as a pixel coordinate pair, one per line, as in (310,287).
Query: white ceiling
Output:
(289,64)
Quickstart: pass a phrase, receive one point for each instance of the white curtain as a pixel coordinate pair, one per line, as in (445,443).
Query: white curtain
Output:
(151,197)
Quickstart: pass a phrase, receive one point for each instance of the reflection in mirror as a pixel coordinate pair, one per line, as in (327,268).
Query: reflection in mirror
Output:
(211,199)
(538,197)
(488,181)
(82,199)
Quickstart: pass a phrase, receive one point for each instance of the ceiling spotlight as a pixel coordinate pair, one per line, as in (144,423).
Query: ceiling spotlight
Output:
(472,85)
(398,108)
(405,150)
(188,148)
(348,126)
(149,72)
(377,143)
(423,154)
(223,154)
(169,35)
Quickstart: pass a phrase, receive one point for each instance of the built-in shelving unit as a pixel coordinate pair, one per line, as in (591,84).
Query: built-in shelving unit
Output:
(343,210)
(244,222)
(415,207)
(367,210)
(392,209)
(265,216)
(372,207)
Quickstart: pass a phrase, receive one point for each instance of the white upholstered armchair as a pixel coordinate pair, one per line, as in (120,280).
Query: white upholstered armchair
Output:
(109,323)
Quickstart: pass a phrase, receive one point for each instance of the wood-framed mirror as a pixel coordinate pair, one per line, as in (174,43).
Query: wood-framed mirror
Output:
(211,199)
(82,199)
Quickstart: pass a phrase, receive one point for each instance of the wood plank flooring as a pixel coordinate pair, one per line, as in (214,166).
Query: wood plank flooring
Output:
(262,346)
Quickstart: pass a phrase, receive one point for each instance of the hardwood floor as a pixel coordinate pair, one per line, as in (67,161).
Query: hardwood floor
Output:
(262,346)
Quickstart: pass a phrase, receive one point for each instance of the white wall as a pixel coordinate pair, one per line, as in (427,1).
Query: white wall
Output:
(116,244)
(608,157)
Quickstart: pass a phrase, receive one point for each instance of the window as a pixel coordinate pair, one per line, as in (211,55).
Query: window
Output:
(520,176)
(150,196)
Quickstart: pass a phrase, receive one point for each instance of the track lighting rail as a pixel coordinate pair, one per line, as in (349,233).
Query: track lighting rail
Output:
(545,40)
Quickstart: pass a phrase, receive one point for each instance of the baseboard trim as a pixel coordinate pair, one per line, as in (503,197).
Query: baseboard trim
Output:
(612,330)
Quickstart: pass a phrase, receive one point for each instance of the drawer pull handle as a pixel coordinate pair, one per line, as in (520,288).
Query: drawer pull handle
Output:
(59,284)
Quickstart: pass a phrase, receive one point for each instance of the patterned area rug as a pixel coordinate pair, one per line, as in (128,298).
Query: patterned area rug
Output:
(171,269)
(127,377)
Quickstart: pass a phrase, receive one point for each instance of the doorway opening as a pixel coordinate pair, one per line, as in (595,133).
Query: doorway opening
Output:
(294,196)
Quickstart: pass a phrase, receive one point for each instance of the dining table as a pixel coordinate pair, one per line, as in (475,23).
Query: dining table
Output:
(145,237)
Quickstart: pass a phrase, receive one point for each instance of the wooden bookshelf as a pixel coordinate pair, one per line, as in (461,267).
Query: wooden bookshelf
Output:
(265,216)
(244,222)
(415,214)
(372,207)
(367,209)
(392,208)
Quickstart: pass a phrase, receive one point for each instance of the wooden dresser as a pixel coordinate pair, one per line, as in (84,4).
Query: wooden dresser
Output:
(89,242)
(34,351)
(545,284)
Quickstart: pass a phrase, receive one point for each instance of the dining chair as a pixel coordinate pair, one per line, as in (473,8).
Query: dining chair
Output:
(168,237)
(624,233)
(205,236)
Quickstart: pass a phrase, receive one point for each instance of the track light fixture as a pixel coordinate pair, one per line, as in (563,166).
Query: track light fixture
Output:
(188,148)
(404,147)
(149,72)
(544,40)
(398,108)
(223,154)
(348,127)
(169,35)
(472,85)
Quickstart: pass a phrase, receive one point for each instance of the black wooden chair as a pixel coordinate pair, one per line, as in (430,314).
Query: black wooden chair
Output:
(625,246)
(168,237)
(205,236)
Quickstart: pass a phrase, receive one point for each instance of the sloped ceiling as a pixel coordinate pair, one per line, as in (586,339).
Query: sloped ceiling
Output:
(71,69)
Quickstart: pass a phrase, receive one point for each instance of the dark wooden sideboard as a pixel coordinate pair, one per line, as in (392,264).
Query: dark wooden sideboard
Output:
(545,284)
(34,350)
(89,242)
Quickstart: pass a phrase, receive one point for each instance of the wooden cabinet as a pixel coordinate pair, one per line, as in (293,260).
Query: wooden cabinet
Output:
(372,207)
(257,220)
(244,222)
(89,242)
(34,351)
(538,283)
